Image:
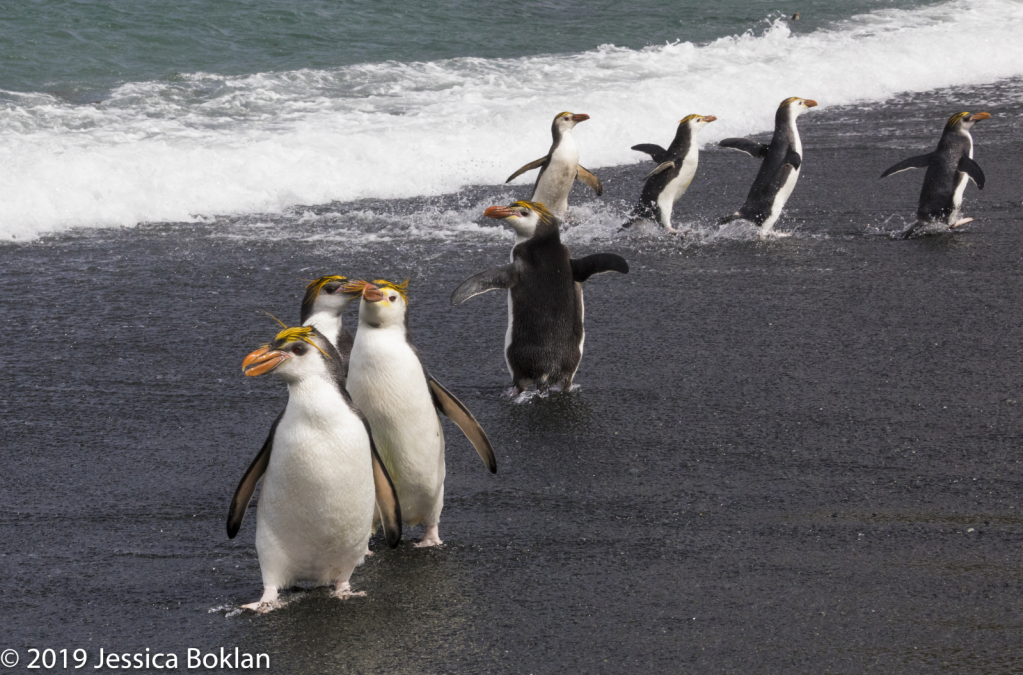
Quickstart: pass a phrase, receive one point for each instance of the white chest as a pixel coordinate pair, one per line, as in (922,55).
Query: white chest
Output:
(318,496)
(557,179)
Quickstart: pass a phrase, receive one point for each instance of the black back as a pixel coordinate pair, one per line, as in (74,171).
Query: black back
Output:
(547,324)
(774,170)
(942,176)
(654,185)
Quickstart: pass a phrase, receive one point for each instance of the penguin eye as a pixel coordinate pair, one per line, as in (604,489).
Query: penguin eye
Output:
(298,350)
(393,298)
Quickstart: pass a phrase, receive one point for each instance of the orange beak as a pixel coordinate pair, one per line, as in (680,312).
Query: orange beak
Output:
(372,294)
(810,103)
(709,118)
(500,212)
(976,117)
(580,117)
(263,360)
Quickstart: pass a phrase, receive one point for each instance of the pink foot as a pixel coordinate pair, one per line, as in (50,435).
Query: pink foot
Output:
(430,538)
(267,603)
(343,591)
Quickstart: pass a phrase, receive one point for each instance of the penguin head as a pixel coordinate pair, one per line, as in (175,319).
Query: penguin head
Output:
(526,218)
(796,106)
(695,122)
(565,121)
(384,303)
(964,121)
(294,354)
(325,295)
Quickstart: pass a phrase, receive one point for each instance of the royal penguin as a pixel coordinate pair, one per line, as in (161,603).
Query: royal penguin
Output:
(322,307)
(544,340)
(401,399)
(675,170)
(949,169)
(323,477)
(560,168)
(779,171)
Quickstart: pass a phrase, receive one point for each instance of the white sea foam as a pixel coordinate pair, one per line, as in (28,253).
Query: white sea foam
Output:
(205,144)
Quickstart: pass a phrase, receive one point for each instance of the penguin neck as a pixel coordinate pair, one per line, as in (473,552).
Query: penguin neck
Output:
(785,129)
(316,395)
(969,141)
(682,142)
(563,144)
(328,323)
(383,326)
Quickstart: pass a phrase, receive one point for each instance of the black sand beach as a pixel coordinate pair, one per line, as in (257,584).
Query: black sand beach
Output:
(786,456)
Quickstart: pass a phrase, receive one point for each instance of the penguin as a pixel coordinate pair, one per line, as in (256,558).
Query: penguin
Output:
(949,169)
(321,308)
(560,168)
(780,169)
(401,399)
(324,477)
(544,341)
(676,167)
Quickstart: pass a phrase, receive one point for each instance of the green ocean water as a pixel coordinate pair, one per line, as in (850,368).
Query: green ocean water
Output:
(81,49)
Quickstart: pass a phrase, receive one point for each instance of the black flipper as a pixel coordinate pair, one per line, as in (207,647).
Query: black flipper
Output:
(584,268)
(247,486)
(751,148)
(499,277)
(387,499)
(591,180)
(972,169)
(918,162)
(660,167)
(655,151)
(793,158)
(535,164)
(446,403)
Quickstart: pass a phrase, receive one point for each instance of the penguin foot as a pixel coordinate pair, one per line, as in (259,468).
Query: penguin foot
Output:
(343,591)
(430,538)
(958,223)
(268,603)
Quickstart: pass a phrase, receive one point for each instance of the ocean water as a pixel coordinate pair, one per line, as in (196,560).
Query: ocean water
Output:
(110,117)
(789,455)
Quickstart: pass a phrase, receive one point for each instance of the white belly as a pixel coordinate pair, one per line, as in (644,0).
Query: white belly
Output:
(779,200)
(557,179)
(957,196)
(316,506)
(387,383)
(676,188)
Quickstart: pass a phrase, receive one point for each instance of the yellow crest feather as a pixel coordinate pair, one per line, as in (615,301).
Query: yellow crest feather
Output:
(955,119)
(562,114)
(358,287)
(303,333)
(789,100)
(539,207)
(401,288)
(688,118)
(316,285)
